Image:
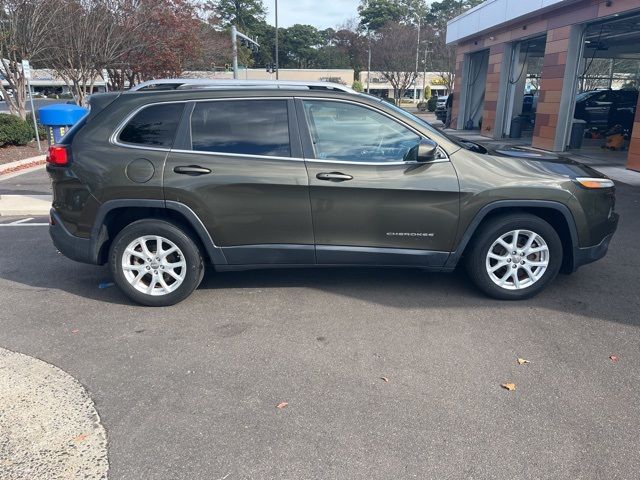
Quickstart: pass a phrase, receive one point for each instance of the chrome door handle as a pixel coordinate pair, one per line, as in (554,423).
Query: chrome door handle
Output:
(192,170)
(334,177)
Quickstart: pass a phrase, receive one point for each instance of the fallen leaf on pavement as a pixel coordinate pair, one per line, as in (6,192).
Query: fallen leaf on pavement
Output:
(522,361)
(384,379)
(281,405)
(614,358)
(73,331)
(80,437)
(509,386)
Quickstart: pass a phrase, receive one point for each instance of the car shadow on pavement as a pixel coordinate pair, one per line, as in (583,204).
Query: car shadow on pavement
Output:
(594,291)
(581,293)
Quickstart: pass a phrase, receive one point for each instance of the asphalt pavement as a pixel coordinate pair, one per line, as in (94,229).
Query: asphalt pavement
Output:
(35,182)
(387,373)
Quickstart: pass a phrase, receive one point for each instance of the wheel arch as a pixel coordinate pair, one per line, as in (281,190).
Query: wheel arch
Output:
(114,215)
(556,214)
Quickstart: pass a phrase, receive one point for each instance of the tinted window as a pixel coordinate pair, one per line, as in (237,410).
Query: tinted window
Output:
(153,126)
(250,127)
(343,131)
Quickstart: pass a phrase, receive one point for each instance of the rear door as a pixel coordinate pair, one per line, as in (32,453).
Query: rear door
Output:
(371,203)
(237,164)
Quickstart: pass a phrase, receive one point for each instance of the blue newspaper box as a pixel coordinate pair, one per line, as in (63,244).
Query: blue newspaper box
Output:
(59,118)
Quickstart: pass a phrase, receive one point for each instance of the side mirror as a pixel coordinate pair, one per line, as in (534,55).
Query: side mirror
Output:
(427,150)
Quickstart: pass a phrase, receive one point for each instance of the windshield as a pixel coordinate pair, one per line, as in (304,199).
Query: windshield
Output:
(587,94)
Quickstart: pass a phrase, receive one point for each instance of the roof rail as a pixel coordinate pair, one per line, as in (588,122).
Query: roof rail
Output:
(186,83)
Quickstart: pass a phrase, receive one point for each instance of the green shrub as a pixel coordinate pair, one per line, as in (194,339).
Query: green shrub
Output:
(357,86)
(14,130)
(41,130)
(432,103)
(427,91)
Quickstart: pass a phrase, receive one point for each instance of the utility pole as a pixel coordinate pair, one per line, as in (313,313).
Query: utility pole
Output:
(277,63)
(415,84)
(369,62)
(234,42)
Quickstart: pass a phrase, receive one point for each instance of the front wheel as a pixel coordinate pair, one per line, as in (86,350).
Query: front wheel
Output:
(155,263)
(515,257)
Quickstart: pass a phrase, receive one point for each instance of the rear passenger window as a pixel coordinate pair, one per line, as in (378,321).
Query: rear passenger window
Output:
(250,127)
(153,126)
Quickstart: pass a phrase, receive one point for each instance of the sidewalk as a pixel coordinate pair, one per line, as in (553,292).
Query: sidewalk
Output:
(26,192)
(49,427)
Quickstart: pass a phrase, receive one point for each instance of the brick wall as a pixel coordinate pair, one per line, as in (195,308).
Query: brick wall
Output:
(496,52)
(552,78)
(455,108)
(633,160)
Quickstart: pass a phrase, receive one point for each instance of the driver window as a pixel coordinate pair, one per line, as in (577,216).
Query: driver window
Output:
(347,132)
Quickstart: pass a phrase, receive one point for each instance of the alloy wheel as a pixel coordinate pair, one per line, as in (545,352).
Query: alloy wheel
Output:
(517,259)
(154,265)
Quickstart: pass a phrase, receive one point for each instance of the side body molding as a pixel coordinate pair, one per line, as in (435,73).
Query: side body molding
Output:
(455,256)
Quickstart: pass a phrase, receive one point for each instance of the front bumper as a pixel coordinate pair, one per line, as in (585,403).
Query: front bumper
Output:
(75,248)
(583,256)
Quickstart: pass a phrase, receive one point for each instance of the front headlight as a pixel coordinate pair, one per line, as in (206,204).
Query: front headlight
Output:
(592,183)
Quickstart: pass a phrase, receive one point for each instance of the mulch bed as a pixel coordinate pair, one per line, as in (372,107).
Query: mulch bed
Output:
(11,154)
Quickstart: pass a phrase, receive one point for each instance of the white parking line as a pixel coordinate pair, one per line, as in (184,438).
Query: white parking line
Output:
(22,220)
(24,224)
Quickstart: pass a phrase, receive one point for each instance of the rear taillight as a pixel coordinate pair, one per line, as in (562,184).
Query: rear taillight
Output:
(58,155)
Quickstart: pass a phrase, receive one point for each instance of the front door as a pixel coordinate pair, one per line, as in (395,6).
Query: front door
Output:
(244,177)
(371,202)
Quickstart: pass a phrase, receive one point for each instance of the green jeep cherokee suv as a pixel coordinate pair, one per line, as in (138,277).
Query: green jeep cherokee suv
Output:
(159,182)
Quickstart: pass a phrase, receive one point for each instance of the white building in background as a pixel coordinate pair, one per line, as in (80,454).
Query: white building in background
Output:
(47,82)
(343,76)
(381,87)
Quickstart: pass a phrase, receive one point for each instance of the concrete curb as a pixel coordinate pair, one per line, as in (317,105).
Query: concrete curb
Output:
(22,171)
(21,205)
(8,169)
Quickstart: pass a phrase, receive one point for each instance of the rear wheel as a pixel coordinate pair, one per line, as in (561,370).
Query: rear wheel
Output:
(155,263)
(514,256)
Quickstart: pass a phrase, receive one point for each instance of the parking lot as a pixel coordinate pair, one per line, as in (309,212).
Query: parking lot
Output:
(387,373)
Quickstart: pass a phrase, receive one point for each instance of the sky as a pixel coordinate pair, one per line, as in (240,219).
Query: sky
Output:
(319,13)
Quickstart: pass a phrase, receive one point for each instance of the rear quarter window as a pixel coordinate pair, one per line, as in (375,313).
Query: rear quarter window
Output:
(153,126)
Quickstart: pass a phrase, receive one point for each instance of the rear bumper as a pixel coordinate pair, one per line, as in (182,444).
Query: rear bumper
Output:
(583,256)
(75,248)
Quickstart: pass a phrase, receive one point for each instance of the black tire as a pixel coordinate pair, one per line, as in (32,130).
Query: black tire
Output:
(476,256)
(191,254)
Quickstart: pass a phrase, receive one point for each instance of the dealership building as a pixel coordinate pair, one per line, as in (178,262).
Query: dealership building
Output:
(559,74)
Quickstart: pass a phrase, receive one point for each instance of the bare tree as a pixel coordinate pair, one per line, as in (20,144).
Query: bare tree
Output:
(395,56)
(98,36)
(24,35)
